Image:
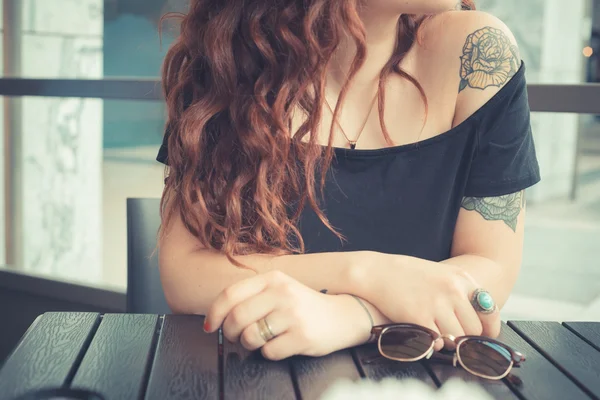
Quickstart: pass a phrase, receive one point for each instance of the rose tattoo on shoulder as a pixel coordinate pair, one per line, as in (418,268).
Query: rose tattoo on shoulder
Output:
(489,59)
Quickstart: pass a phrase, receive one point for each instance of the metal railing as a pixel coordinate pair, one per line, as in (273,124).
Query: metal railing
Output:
(580,98)
(109,89)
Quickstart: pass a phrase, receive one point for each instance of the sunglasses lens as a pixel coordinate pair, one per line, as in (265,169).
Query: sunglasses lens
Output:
(405,343)
(485,358)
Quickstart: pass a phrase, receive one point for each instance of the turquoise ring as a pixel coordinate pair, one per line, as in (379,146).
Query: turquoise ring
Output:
(483,302)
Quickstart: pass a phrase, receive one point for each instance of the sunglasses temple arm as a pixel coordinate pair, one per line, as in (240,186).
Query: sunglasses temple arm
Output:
(515,380)
(372,359)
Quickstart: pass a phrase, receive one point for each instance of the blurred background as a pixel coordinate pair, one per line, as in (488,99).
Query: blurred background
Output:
(82,120)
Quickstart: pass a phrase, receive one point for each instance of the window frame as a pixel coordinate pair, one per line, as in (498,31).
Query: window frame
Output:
(555,98)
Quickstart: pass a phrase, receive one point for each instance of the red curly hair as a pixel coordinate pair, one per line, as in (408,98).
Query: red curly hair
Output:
(231,81)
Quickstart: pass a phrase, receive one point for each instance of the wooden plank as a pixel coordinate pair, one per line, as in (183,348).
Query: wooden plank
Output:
(248,375)
(186,361)
(48,352)
(537,369)
(444,372)
(496,389)
(588,331)
(314,375)
(555,344)
(377,367)
(118,360)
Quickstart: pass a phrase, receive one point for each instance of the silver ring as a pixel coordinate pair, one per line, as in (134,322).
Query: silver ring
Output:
(483,302)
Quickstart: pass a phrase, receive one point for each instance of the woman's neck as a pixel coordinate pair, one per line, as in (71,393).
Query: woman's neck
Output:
(381,35)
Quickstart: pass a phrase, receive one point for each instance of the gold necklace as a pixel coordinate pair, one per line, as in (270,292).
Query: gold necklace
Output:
(352,143)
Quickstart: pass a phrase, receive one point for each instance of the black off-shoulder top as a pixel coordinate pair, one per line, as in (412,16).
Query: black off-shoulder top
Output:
(405,199)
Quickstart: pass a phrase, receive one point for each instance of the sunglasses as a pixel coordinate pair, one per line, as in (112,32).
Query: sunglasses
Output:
(479,355)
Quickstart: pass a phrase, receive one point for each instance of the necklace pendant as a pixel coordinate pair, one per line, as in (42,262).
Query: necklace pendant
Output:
(352,144)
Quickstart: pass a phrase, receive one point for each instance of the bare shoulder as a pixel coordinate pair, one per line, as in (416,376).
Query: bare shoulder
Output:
(477,51)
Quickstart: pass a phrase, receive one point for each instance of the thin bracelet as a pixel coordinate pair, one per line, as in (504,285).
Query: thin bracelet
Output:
(368,313)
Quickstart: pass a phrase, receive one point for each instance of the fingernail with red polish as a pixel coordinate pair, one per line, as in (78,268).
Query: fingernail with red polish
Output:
(206,327)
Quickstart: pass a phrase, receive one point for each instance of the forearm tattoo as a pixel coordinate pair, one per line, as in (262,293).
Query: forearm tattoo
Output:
(489,59)
(502,208)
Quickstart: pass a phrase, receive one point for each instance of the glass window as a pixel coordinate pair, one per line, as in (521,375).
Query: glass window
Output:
(131,140)
(61,39)
(94,38)
(79,159)
(2,191)
(552,36)
(132,44)
(559,44)
(78,167)
(78,164)
(2,163)
(97,38)
(559,278)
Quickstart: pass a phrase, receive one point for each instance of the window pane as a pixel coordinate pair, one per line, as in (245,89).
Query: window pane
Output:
(552,36)
(560,279)
(132,44)
(2,192)
(61,38)
(94,38)
(2,164)
(78,164)
(80,159)
(98,38)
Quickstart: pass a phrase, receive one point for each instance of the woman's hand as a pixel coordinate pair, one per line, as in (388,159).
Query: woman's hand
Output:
(430,294)
(304,321)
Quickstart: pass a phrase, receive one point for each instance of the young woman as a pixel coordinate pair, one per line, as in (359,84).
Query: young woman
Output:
(335,164)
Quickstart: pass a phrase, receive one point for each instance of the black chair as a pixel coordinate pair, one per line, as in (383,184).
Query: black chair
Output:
(144,290)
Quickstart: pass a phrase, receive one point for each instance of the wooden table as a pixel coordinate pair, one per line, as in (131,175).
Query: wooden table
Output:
(128,356)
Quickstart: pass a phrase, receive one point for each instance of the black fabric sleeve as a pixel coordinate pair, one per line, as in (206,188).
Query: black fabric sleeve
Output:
(505,161)
(163,151)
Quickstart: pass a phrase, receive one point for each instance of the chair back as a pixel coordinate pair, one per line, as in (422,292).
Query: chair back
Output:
(144,291)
